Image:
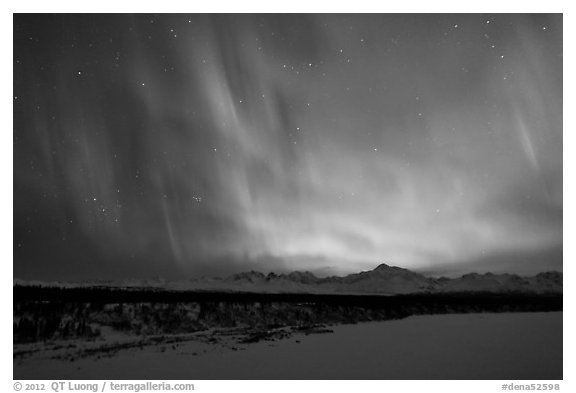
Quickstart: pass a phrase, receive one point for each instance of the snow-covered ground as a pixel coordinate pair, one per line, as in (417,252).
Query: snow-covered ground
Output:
(457,346)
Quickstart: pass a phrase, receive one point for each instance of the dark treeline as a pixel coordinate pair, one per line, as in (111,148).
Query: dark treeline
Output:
(109,295)
(62,313)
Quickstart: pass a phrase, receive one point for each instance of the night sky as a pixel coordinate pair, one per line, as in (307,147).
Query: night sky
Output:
(187,145)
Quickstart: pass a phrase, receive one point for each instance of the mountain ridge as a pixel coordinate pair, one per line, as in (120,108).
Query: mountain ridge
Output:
(384,280)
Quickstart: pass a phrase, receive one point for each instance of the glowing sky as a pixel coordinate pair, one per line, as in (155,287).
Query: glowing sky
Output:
(181,145)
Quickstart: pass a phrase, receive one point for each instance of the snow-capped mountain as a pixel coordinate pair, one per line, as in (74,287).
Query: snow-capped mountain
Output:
(384,279)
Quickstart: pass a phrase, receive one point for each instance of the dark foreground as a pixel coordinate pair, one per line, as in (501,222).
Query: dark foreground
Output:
(55,326)
(505,346)
(42,314)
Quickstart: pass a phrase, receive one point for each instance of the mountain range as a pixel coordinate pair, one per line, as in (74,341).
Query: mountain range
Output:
(383,280)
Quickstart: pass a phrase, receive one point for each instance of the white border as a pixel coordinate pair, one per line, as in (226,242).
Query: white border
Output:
(300,6)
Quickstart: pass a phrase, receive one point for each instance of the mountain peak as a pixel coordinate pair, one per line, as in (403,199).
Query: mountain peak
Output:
(384,266)
(304,277)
